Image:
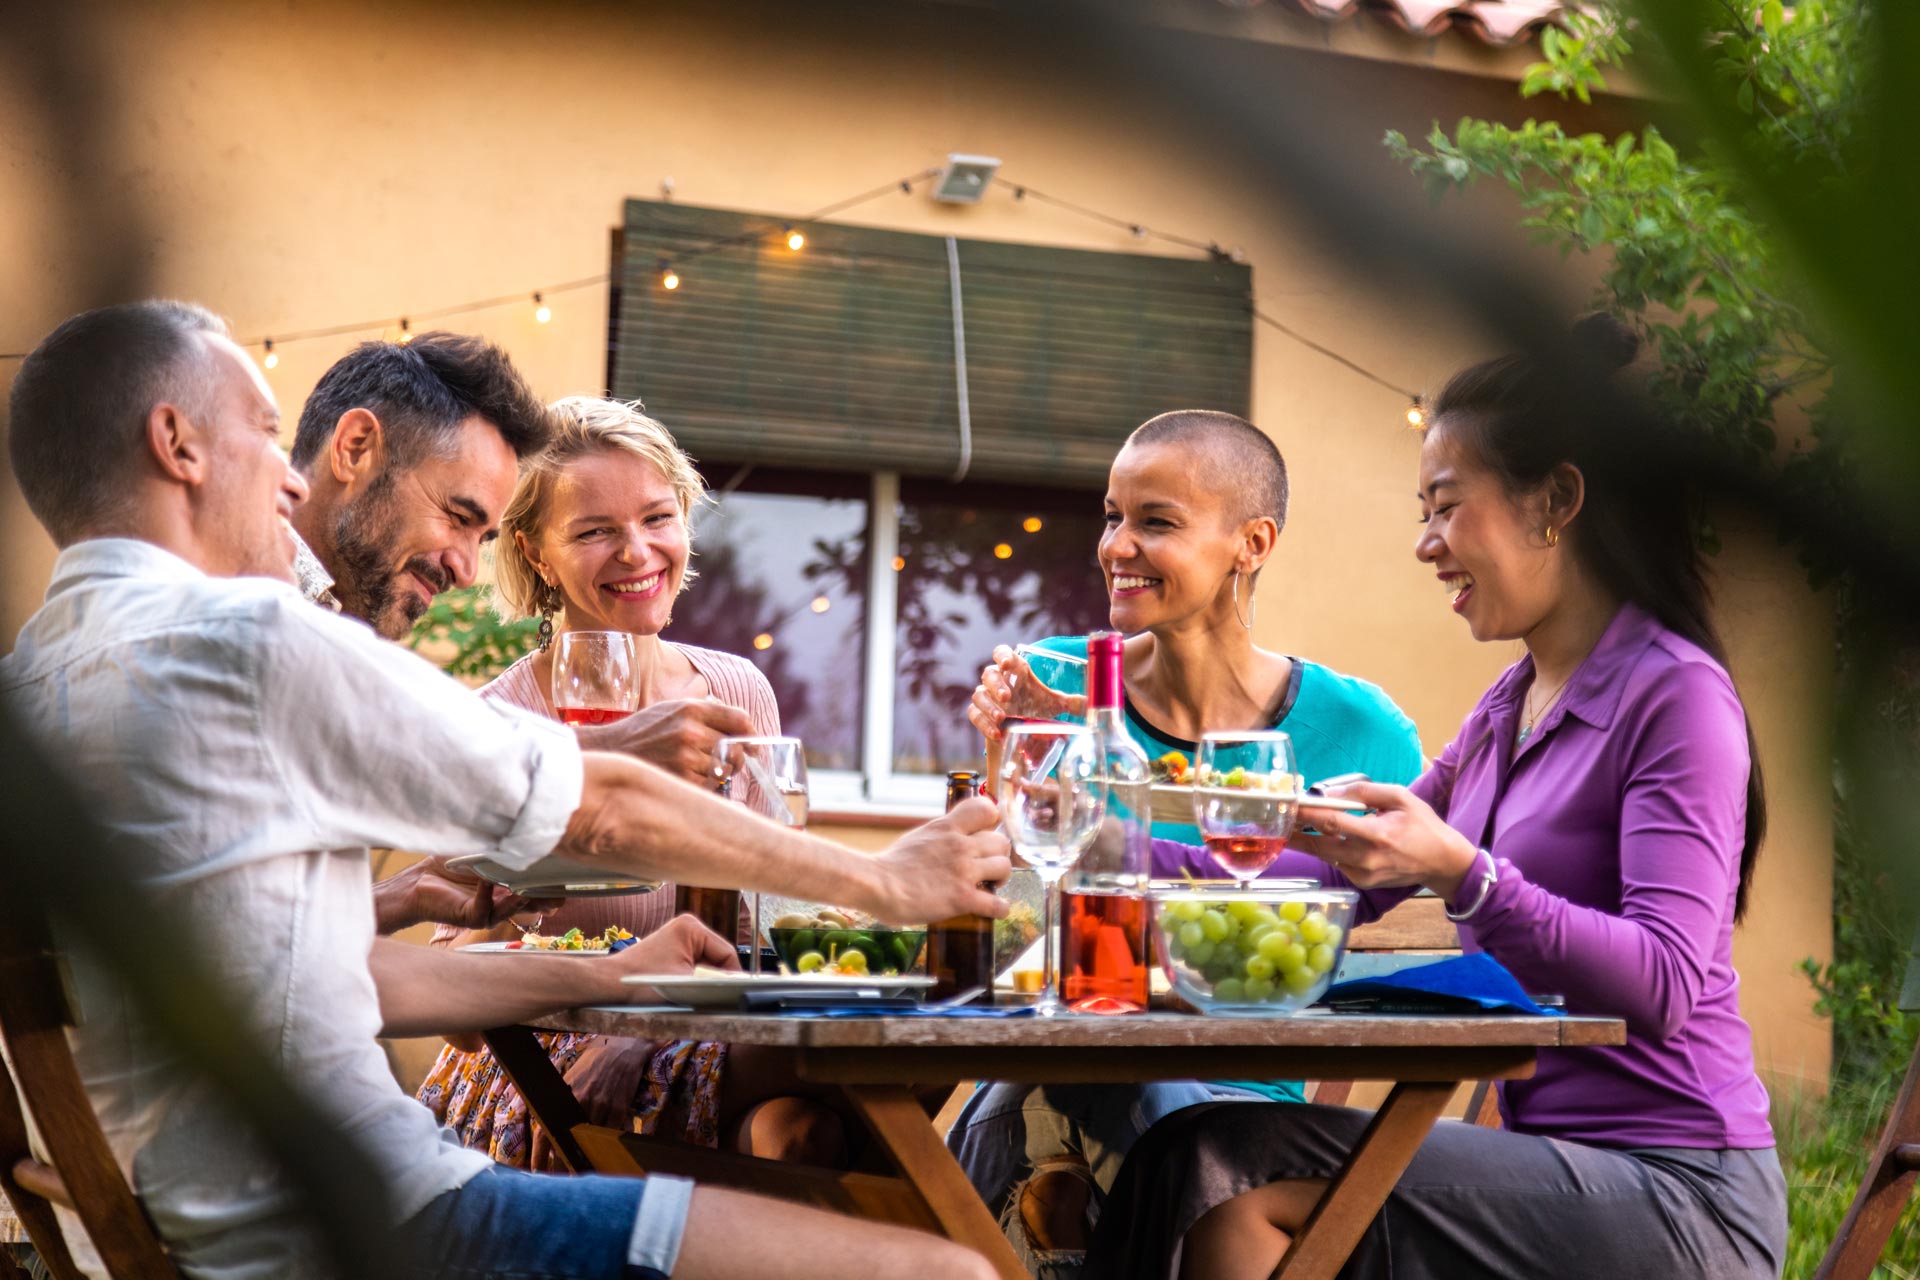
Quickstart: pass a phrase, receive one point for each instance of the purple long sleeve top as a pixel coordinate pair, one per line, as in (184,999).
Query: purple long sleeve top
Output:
(1616,831)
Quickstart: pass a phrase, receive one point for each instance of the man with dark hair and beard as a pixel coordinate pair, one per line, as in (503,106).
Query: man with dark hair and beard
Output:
(410,452)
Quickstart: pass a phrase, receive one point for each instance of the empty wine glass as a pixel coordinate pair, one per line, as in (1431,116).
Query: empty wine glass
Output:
(769,775)
(593,678)
(1244,799)
(1051,803)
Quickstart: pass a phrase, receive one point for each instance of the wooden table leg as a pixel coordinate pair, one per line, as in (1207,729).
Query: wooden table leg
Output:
(900,1124)
(1327,1239)
(548,1099)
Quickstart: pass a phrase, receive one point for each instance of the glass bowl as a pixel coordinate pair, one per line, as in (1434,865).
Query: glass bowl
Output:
(1267,950)
(799,929)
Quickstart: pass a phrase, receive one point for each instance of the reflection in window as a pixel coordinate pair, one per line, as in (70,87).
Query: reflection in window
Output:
(981,565)
(783,583)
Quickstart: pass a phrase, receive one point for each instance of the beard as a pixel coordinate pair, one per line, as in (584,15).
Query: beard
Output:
(368,584)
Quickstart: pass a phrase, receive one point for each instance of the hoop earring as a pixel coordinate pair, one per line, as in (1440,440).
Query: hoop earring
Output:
(547,609)
(1253,605)
(1553,536)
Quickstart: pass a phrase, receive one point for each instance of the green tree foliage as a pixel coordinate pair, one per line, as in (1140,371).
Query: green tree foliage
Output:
(461,632)
(1686,260)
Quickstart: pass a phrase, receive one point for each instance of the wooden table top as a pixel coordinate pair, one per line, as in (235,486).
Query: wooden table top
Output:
(1148,1030)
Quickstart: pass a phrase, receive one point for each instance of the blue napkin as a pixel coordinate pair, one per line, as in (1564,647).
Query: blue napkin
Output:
(1476,981)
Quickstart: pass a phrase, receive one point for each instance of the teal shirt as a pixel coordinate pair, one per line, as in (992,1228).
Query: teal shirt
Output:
(1338,724)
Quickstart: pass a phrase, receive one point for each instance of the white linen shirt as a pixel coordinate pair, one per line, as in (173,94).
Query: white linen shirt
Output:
(249,748)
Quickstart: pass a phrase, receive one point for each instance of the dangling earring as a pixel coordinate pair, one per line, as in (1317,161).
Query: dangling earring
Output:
(1553,536)
(1252,604)
(547,607)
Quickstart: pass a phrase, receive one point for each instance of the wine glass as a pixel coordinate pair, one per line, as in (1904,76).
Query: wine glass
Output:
(1052,804)
(1244,799)
(593,678)
(773,781)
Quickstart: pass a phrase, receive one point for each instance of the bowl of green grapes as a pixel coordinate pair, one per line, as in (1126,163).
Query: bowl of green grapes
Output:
(830,941)
(1260,951)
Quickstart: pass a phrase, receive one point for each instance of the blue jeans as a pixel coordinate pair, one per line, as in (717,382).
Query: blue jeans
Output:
(510,1225)
(1009,1132)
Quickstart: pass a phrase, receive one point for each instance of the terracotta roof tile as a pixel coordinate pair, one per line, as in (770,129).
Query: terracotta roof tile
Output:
(1493,21)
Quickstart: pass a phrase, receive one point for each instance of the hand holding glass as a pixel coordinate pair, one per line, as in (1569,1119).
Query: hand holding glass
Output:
(1052,804)
(1244,799)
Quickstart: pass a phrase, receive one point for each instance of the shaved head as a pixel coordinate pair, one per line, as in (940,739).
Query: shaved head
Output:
(1237,459)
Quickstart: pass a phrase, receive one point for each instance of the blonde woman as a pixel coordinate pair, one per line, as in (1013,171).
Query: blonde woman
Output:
(597,538)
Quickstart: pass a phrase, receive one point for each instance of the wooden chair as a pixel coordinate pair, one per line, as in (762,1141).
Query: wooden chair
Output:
(35,1011)
(1891,1174)
(1418,925)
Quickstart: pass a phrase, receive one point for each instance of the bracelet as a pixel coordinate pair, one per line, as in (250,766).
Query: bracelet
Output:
(1487,880)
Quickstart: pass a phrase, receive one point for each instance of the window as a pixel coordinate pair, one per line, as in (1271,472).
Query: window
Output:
(872,602)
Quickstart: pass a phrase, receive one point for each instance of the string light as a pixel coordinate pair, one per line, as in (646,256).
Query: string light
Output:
(899,563)
(1032,524)
(1002,551)
(763,642)
(820,604)
(670,279)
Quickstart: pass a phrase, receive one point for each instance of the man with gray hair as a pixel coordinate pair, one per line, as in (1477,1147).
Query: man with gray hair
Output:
(255,746)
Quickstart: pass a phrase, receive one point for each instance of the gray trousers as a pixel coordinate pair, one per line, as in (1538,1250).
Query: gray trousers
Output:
(1473,1202)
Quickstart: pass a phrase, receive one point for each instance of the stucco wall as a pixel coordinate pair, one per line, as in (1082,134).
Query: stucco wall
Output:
(304,165)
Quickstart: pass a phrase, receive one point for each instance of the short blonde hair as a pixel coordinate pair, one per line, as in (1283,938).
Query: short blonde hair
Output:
(582,427)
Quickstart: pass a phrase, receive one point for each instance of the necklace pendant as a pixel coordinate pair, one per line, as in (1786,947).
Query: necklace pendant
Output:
(1526,731)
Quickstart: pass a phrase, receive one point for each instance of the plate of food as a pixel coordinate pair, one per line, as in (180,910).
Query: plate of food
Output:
(555,877)
(571,943)
(1175,779)
(708,988)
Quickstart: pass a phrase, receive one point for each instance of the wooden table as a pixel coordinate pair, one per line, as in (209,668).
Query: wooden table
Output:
(874,1061)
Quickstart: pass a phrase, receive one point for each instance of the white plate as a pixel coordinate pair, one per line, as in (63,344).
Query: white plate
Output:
(508,949)
(716,990)
(555,877)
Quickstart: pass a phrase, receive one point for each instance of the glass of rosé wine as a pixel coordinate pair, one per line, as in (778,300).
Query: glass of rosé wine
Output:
(593,678)
(1245,796)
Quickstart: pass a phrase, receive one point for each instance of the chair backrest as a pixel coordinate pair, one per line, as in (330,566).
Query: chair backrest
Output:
(1417,924)
(81,1173)
(1891,1174)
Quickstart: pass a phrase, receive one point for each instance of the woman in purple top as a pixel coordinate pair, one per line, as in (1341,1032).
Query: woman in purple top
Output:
(1593,827)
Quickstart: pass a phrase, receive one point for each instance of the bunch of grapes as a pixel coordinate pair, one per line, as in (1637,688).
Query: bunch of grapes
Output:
(1249,952)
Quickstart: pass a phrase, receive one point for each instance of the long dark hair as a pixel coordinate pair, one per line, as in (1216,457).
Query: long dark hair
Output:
(1635,533)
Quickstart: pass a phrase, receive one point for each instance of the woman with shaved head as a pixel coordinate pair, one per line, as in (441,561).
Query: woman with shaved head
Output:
(1195,503)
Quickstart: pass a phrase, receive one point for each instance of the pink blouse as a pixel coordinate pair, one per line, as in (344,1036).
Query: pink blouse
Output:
(731,679)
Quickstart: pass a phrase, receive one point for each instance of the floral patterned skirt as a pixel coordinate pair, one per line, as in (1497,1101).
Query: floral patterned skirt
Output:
(679,1094)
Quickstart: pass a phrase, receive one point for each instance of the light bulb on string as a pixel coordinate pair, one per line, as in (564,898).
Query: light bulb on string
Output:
(1416,414)
(406,331)
(1003,551)
(796,240)
(541,311)
(820,604)
(1032,524)
(763,642)
(669,279)
(272,357)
